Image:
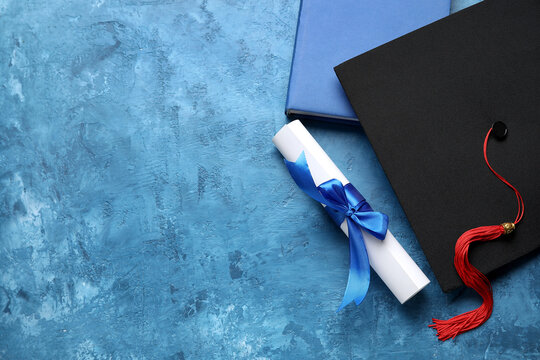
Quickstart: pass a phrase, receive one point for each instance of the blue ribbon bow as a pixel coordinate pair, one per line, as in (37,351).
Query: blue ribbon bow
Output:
(345,202)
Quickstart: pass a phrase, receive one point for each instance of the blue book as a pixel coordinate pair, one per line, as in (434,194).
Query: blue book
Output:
(332,31)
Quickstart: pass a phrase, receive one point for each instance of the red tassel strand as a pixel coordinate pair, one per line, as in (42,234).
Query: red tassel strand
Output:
(473,278)
(470,275)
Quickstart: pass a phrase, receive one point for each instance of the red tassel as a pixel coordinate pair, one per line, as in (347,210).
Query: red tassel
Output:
(470,275)
(474,279)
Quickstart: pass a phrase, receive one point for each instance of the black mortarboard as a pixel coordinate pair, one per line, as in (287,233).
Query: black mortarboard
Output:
(426,100)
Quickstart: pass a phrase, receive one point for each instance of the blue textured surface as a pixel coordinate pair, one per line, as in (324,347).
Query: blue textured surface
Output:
(144,213)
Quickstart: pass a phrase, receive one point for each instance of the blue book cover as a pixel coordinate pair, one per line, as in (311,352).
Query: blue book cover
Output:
(332,31)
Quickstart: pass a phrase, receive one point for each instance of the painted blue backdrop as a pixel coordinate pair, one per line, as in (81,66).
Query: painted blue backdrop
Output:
(145,214)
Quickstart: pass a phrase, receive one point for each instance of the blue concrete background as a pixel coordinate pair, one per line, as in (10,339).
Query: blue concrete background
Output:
(145,214)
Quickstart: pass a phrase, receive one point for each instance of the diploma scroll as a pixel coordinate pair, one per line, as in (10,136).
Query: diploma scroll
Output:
(389,260)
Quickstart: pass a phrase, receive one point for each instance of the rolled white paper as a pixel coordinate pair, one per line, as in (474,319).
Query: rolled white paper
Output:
(389,260)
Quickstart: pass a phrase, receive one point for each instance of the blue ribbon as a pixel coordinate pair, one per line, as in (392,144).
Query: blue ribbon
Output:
(345,202)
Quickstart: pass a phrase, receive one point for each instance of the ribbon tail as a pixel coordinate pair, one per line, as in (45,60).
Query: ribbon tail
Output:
(301,175)
(358,283)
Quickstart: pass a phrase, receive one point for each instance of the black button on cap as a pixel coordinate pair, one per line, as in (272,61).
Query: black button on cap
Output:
(499,130)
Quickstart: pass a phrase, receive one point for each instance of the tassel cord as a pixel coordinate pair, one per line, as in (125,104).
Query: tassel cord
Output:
(521,205)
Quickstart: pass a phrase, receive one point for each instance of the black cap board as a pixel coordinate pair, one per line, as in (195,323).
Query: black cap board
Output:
(426,102)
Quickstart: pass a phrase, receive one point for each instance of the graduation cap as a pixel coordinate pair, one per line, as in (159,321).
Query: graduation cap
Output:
(426,101)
